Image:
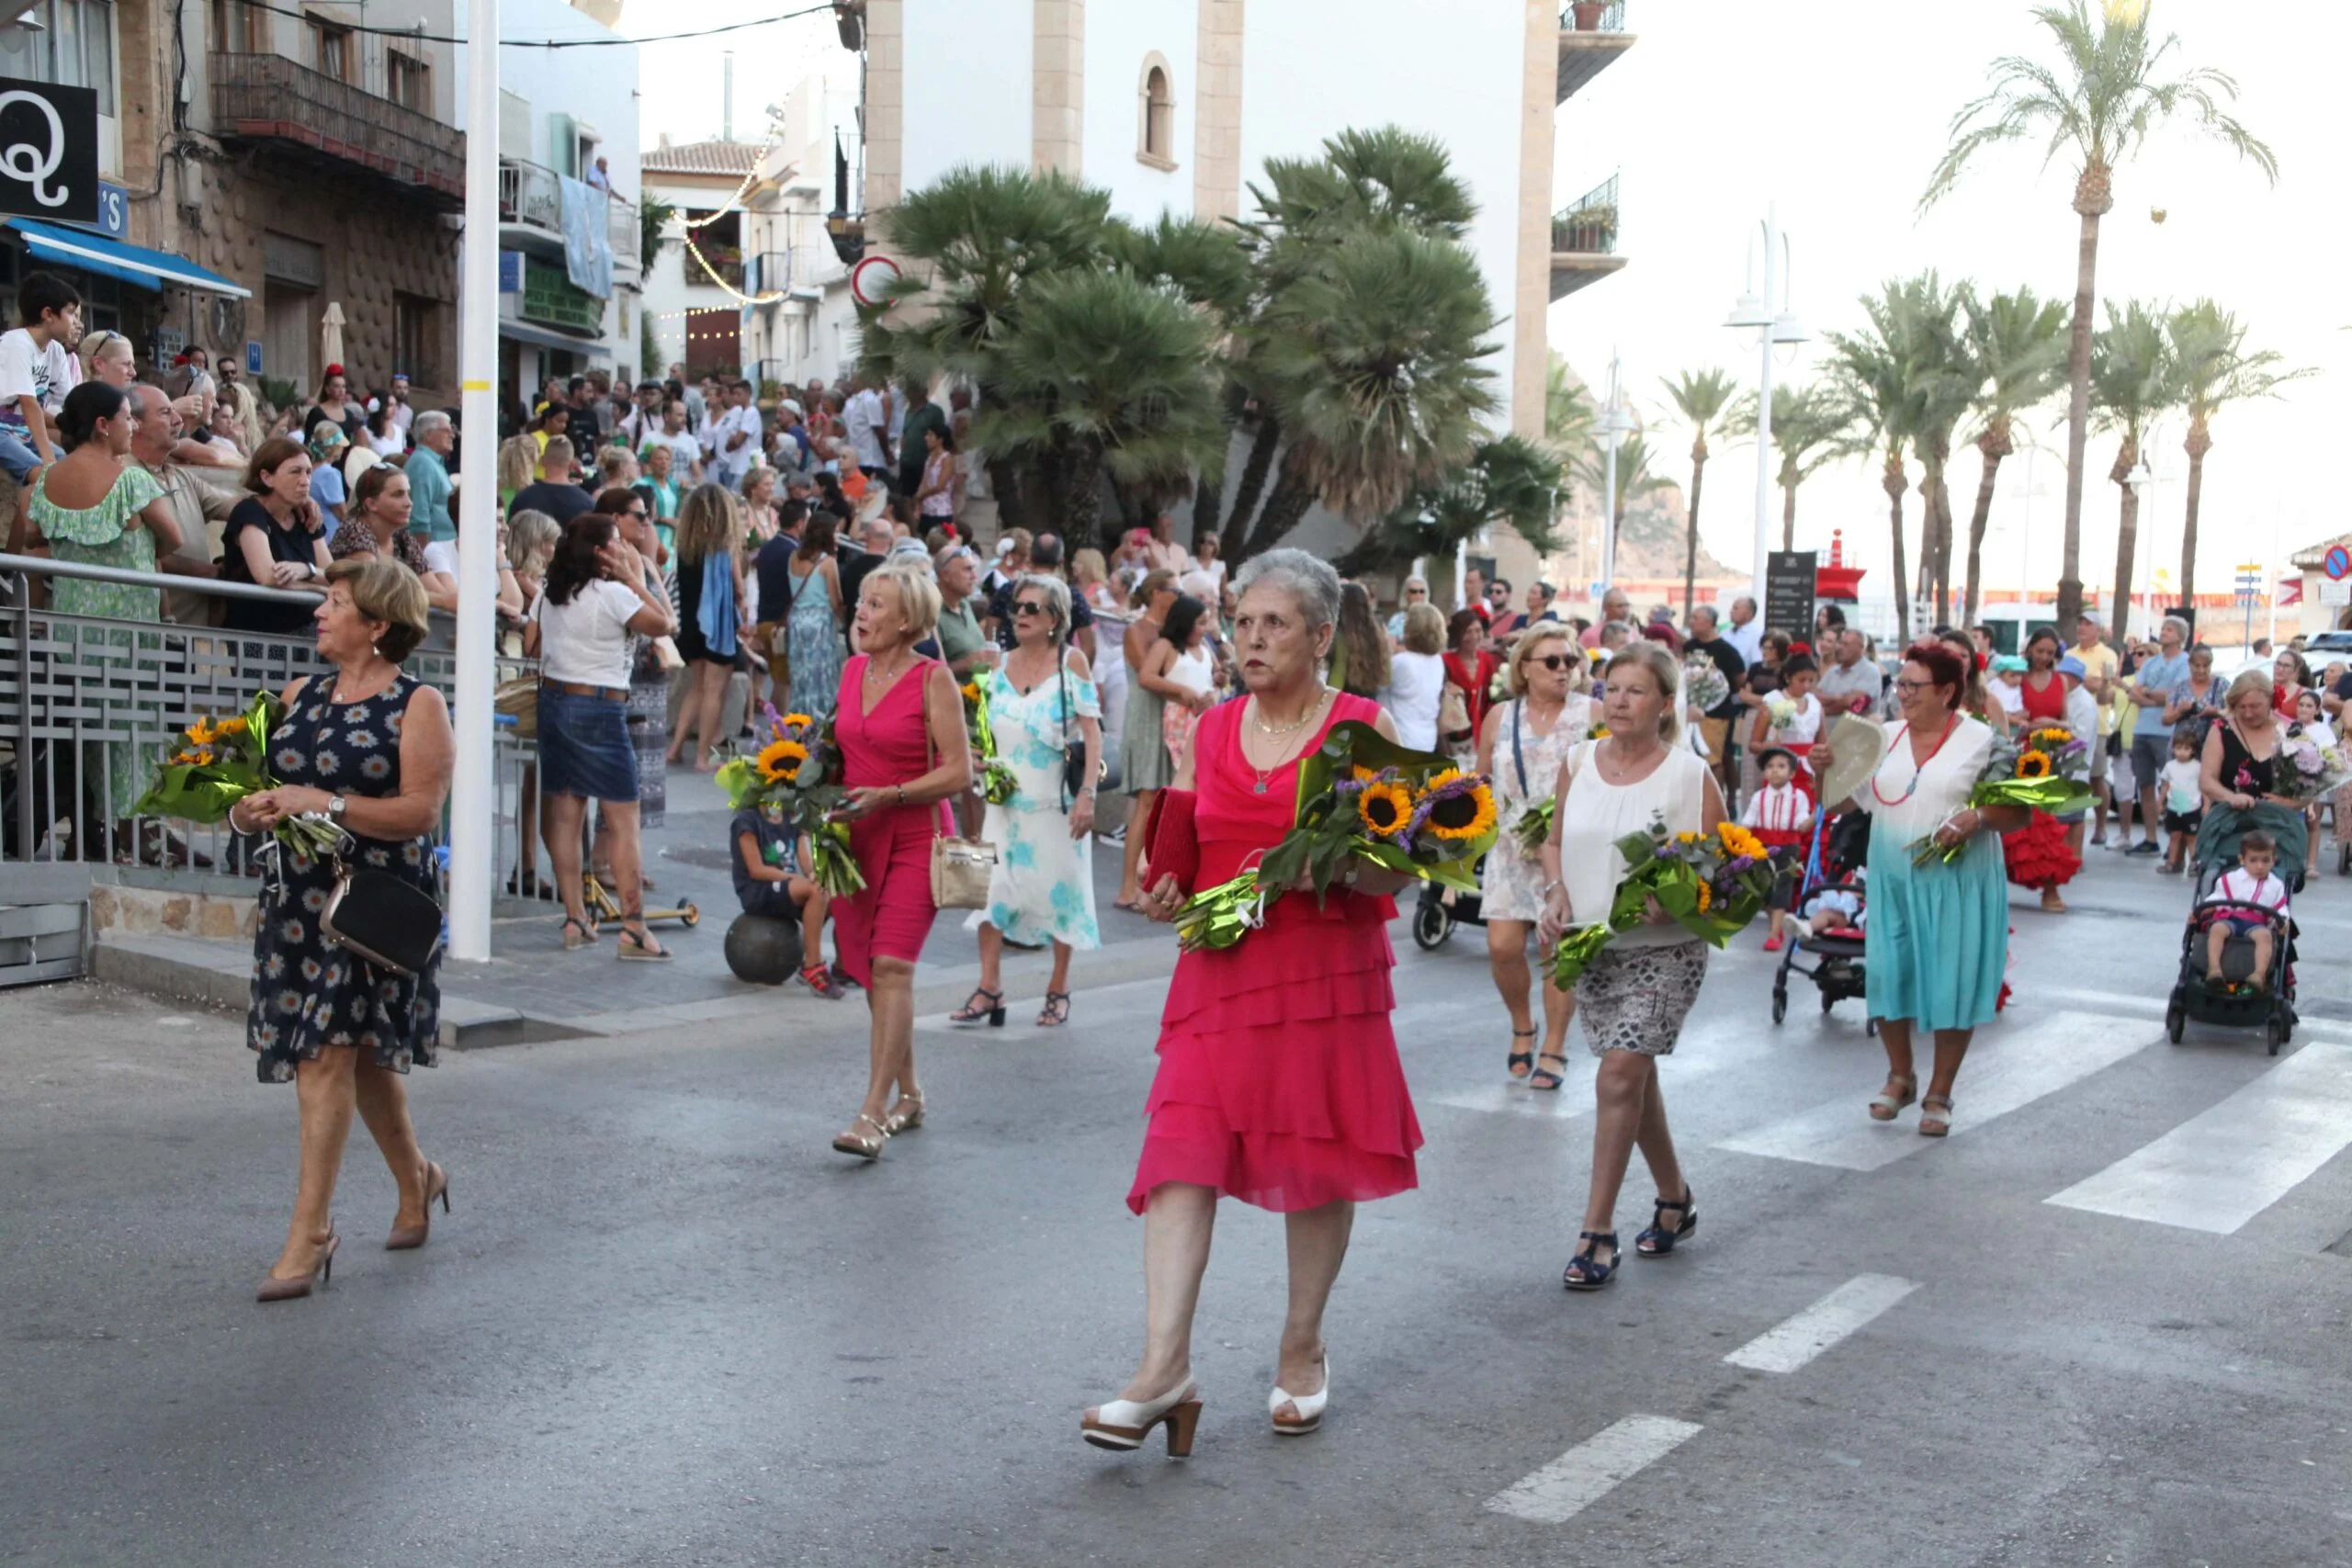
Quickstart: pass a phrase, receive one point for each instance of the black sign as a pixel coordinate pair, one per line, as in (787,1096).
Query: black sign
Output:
(1787,593)
(49,150)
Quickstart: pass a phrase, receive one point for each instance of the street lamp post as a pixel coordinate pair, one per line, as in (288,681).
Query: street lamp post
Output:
(473,860)
(1613,426)
(1774,325)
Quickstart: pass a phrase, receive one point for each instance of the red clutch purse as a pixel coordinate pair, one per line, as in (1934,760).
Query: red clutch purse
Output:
(1172,848)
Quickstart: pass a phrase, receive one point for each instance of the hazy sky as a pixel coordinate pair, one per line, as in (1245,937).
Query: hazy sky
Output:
(1836,110)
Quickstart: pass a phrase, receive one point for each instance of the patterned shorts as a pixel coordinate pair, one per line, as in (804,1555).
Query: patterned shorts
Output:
(1634,999)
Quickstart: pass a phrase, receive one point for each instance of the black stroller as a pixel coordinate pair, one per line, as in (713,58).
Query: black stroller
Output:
(1837,850)
(1441,909)
(2242,999)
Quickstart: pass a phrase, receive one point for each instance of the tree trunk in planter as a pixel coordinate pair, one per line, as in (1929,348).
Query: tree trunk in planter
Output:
(1261,461)
(1080,490)
(2127,532)
(1006,483)
(1995,444)
(2200,442)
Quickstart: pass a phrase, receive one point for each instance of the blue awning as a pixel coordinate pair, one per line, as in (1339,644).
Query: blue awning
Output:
(133,263)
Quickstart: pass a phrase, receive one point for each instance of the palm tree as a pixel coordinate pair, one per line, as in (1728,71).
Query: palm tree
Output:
(1707,401)
(1923,319)
(1812,427)
(1634,477)
(1511,480)
(1875,378)
(2018,345)
(2133,379)
(2208,344)
(1568,412)
(2097,105)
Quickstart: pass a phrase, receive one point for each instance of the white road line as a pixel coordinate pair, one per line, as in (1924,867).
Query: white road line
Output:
(2004,1072)
(2217,1170)
(1821,1324)
(1565,1103)
(1588,1472)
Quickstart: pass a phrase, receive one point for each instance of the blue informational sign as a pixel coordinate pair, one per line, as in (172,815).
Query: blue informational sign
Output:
(114,210)
(253,356)
(510,272)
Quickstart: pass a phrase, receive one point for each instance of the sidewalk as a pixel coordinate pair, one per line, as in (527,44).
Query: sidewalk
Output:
(532,989)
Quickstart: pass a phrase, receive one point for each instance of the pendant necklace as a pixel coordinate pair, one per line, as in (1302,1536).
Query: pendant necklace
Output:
(1917,767)
(1265,775)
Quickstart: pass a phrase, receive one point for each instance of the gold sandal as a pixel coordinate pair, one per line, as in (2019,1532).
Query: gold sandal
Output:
(853,1141)
(905,1116)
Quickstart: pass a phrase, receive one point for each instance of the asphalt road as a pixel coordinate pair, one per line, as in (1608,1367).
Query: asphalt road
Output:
(665,1324)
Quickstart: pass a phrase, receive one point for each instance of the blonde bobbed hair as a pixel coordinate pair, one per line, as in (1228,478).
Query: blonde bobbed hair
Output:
(918,595)
(1536,636)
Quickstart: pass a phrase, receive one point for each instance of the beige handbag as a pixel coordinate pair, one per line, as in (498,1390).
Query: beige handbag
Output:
(960,868)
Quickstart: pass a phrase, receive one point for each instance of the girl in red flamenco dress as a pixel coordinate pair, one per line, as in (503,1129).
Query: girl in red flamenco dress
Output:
(2038,855)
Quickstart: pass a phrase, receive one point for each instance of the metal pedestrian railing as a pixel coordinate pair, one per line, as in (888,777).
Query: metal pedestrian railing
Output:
(89,705)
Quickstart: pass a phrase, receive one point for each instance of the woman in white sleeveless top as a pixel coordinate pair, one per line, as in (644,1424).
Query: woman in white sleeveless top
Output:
(1637,992)
(1521,747)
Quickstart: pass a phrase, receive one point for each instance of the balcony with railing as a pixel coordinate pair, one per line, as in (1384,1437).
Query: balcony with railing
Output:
(1591,38)
(268,97)
(1584,240)
(530,216)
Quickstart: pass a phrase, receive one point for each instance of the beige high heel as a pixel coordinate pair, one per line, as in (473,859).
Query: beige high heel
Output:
(407,1238)
(1123,1424)
(274,1289)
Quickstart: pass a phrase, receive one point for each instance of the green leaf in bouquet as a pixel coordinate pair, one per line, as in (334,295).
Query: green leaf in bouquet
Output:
(740,781)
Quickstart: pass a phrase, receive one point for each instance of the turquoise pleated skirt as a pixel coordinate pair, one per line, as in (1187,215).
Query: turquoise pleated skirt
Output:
(1937,938)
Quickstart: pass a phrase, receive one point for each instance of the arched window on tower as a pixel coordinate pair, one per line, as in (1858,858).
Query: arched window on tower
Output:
(1155,120)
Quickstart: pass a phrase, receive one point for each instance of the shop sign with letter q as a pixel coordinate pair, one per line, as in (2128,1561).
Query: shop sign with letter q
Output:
(49,150)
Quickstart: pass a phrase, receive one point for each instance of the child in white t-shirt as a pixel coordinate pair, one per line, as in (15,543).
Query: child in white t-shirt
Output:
(2251,883)
(2178,783)
(37,371)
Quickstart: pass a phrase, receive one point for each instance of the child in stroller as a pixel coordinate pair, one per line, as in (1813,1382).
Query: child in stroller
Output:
(2237,953)
(1831,910)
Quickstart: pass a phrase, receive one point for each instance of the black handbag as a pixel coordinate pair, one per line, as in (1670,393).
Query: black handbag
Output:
(385,919)
(1074,779)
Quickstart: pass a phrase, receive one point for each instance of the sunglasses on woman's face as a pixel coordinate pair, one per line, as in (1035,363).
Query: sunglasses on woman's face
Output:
(1552,661)
(1028,607)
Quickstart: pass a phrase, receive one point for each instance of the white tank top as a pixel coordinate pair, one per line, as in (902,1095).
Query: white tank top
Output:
(1595,814)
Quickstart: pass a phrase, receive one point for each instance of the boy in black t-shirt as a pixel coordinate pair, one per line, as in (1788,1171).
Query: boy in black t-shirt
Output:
(766,866)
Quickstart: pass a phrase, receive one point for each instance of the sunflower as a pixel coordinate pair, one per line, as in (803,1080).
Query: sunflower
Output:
(202,733)
(1739,841)
(232,726)
(780,763)
(1598,732)
(2050,740)
(1463,809)
(2034,765)
(798,720)
(1362,774)
(1706,896)
(1385,809)
(971,690)
(1686,838)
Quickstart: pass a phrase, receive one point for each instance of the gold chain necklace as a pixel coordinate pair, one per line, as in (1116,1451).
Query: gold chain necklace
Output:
(1257,718)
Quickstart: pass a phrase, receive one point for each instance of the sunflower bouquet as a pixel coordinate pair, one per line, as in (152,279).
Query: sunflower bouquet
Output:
(1712,885)
(798,771)
(1361,796)
(2047,770)
(997,781)
(215,763)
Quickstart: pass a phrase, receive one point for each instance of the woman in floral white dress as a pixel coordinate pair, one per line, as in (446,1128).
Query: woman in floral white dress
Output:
(1520,747)
(1041,701)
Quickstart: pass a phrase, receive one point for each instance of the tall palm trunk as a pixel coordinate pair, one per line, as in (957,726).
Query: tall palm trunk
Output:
(1690,541)
(1995,444)
(2127,532)
(1788,509)
(2200,442)
(1895,485)
(1253,484)
(2093,196)
(1285,504)
(1935,536)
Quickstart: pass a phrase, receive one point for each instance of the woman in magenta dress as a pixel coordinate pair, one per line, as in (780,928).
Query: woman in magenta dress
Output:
(1278,1082)
(901,729)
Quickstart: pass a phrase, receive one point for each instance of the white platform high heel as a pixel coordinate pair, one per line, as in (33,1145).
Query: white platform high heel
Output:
(1123,1424)
(1308,1405)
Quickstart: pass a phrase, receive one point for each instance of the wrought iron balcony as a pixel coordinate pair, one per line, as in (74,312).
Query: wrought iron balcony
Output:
(268,97)
(1591,38)
(1584,240)
(530,197)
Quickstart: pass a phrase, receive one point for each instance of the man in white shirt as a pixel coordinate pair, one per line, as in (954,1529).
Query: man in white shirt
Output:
(867,423)
(735,442)
(1850,683)
(685,448)
(1745,633)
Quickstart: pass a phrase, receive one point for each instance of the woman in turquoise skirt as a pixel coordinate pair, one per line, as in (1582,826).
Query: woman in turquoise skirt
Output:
(1937,937)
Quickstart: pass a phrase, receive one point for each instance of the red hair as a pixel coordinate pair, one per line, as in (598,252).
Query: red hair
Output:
(1943,666)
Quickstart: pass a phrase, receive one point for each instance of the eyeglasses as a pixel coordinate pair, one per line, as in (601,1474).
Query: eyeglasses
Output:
(1028,607)
(1553,662)
(1907,687)
(638,512)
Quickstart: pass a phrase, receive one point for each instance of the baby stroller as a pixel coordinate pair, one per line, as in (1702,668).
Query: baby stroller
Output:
(1442,907)
(1834,858)
(2238,1002)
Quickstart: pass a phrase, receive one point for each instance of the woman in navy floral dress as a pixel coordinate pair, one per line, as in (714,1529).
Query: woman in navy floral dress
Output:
(369,747)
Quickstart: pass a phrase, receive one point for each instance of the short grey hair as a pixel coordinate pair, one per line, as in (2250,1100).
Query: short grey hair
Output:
(2174,624)
(1307,578)
(430,421)
(1056,593)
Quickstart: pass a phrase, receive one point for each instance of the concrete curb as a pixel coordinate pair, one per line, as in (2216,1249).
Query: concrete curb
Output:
(218,974)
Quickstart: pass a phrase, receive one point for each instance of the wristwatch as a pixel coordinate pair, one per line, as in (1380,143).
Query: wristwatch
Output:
(336,804)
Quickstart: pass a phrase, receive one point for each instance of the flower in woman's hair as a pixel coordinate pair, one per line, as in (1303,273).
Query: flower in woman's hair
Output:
(2033,765)
(780,762)
(1385,809)
(1457,807)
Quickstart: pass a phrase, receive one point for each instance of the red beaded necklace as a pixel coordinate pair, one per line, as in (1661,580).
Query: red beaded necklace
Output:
(1918,767)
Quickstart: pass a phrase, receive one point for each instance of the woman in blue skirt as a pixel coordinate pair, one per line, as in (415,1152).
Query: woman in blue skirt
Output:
(1938,935)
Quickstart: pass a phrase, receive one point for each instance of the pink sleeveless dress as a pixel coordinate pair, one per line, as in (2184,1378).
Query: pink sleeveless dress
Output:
(892,916)
(1278,1082)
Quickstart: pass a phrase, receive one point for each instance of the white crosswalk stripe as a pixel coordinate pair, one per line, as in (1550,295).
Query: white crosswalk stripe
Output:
(1592,1469)
(1849,1307)
(2217,1170)
(2004,1072)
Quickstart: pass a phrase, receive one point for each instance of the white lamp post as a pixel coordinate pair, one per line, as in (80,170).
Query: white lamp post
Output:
(1612,427)
(1774,325)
